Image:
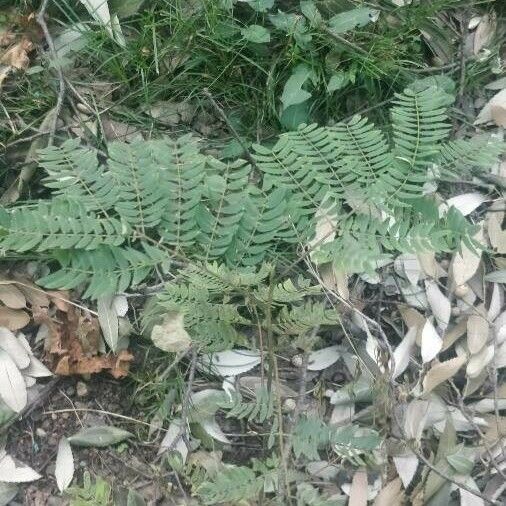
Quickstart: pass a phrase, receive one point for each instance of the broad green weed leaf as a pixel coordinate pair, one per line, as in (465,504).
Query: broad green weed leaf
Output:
(337,81)
(293,93)
(260,5)
(355,18)
(256,33)
(311,12)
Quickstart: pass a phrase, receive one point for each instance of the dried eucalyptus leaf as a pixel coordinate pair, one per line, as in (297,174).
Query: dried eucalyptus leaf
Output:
(99,436)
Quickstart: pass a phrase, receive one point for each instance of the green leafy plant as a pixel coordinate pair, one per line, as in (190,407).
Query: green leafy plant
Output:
(156,202)
(94,492)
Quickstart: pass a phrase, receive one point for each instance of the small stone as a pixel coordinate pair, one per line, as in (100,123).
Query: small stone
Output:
(289,405)
(297,360)
(39,431)
(461,291)
(81,389)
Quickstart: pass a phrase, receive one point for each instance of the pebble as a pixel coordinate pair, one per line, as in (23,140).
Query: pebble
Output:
(40,432)
(81,389)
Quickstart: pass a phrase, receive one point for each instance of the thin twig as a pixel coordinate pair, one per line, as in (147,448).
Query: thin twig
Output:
(233,131)
(61,79)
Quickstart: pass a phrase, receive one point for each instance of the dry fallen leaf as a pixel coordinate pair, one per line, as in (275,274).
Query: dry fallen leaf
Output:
(439,303)
(441,372)
(358,490)
(64,470)
(15,57)
(465,263)
(406,466)
(431,342)
(12,297)
(13,319)
(171,335)
(403,352)
(496,232)
(478,362)
(494,110)
(477,332)
(391,494)
(484,32)
(10,344)
(12,384)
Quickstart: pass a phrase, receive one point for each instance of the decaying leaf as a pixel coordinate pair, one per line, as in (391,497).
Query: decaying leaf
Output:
(99,436)
(73,344)
(441,372)
(171,335)
(64,470)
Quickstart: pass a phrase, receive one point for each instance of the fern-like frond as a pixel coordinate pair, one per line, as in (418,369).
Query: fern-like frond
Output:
(143,195)
(232,485)
(299,320)
(420,124)
(457,158)
(106,270)
(59,224)
(74,172)
(258,410)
